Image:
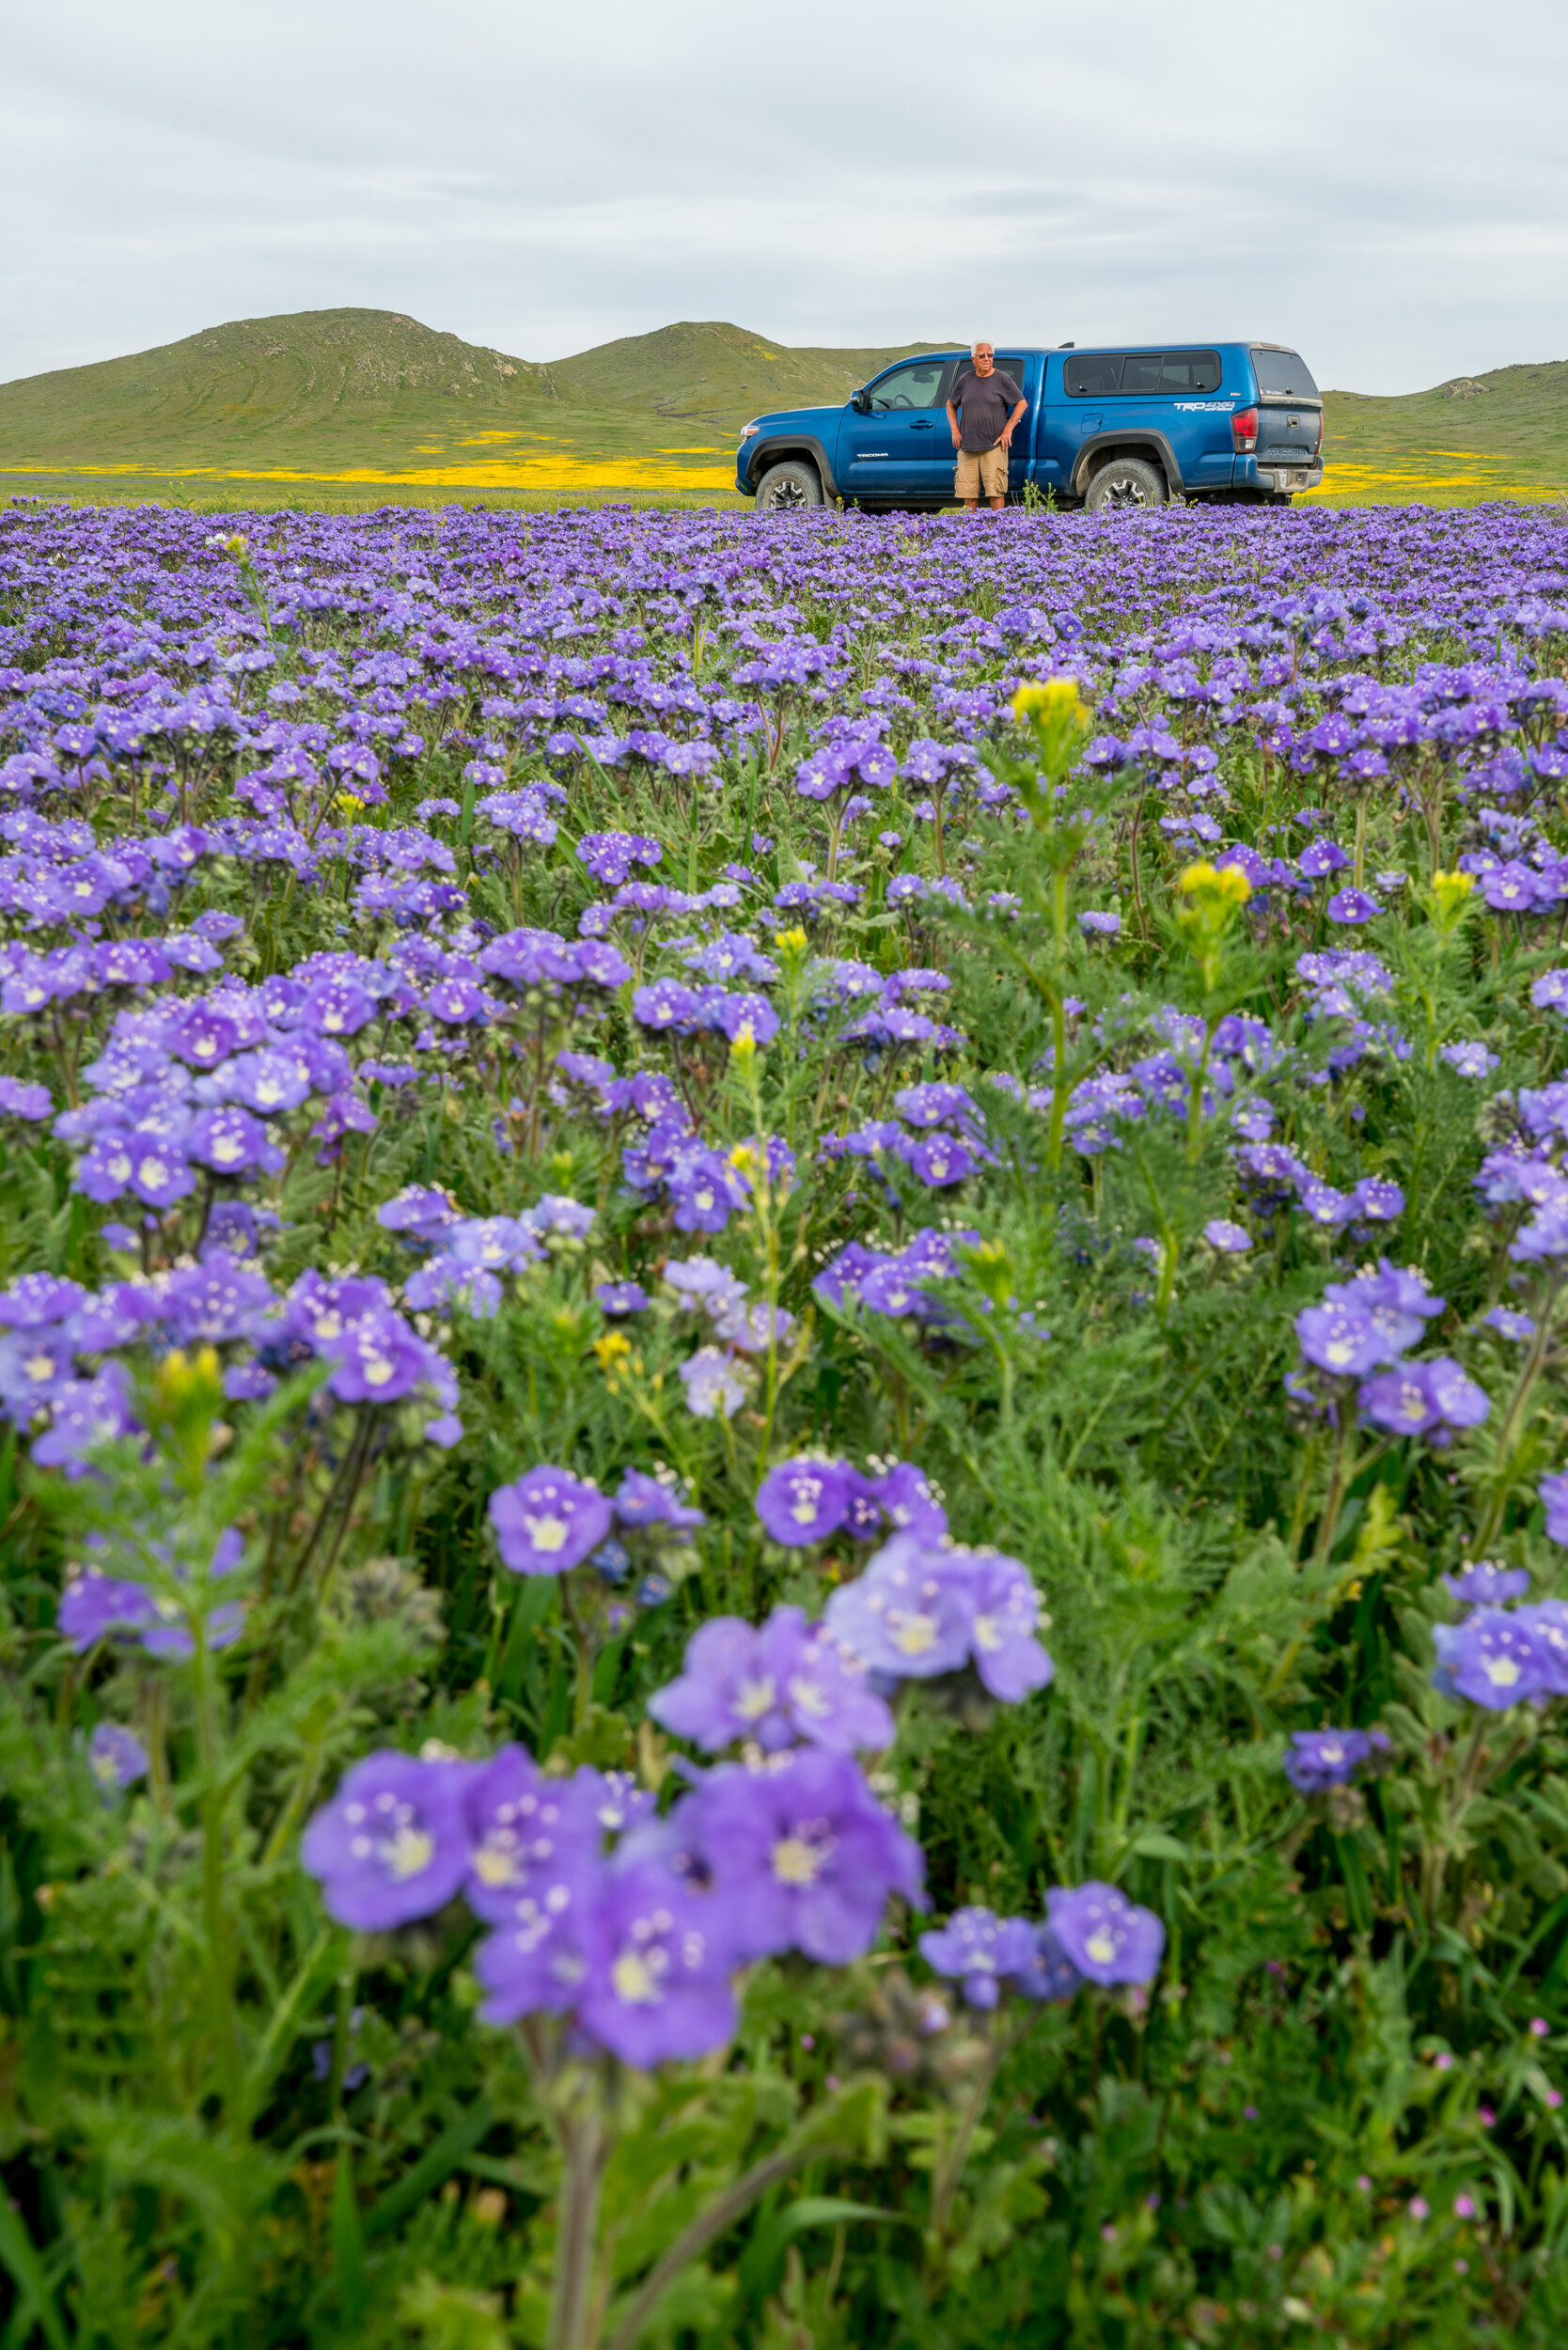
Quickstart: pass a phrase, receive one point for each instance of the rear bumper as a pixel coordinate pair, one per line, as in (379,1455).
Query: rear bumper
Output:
(1274,473)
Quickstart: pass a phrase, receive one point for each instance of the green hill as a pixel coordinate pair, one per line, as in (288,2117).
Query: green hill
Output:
(344,406)
(1500,434)
(352,397)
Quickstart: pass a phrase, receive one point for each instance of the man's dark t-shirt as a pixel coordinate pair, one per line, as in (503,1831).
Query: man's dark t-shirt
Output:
(985,403)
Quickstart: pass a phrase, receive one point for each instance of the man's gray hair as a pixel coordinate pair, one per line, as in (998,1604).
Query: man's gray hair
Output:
(974,348)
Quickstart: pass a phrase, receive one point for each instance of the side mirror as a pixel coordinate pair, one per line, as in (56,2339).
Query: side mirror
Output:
(861,401)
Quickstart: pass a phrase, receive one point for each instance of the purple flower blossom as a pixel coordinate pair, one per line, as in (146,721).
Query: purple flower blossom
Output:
(1320,1759)
(909,1504)
(547,1522)
(1352,905)
(393,1844)
(918,1612)
(1483,1583)
(523,1830)
(783,1682)
(1343,1340)
(1109,1938)
(801,1502)
(658,1961)
(116,1757)
(620,1298)
(1554,1494)
(980,1951)
(1493,1659)
(645,1501)
(712,1387)
(1232,1239)
(29,1102)
(802,1856)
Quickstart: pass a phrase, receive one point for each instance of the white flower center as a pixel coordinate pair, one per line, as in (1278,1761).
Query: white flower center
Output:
(795,1862)
(1101,1946)
(547,1533)
(408,1851)
(754,1699)
(634,1979)
(914,1636)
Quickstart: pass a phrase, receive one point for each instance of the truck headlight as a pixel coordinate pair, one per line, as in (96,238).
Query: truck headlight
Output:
(748,432)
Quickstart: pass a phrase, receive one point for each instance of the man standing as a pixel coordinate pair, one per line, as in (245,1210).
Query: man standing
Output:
(984,398)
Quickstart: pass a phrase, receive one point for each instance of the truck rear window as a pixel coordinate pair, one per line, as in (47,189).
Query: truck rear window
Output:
(1285,375)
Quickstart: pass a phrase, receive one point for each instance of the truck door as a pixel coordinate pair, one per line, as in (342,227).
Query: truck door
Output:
(1008,363)
(900,446)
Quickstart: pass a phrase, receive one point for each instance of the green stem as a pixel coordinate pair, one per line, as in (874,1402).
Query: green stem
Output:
(1529,1373)
(584,2147)
(951,2169)
(219,1965)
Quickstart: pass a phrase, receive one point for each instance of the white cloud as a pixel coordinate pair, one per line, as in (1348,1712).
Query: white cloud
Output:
(1382,181)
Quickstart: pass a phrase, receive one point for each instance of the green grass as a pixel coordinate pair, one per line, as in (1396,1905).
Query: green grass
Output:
(349,409)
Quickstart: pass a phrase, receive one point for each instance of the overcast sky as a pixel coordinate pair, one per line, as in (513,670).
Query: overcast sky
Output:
(1382,182)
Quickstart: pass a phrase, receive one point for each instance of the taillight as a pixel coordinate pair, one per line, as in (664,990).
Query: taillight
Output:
(1244,429)
(1318,449)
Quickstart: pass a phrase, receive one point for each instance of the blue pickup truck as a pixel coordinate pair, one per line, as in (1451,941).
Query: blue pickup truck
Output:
(1114,427)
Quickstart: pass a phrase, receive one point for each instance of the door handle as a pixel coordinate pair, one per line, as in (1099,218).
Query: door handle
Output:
(922,424)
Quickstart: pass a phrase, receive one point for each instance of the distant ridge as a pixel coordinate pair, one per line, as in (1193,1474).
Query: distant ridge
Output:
(333,386)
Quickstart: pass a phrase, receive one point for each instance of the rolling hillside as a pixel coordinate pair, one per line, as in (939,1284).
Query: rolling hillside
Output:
(358,397)
(349,406)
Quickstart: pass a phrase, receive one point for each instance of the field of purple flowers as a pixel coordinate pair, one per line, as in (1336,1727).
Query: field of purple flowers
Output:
(784,1457)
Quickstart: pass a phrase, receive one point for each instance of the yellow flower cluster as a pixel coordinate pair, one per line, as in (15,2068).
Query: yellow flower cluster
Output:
(1055,699)
(1227,886)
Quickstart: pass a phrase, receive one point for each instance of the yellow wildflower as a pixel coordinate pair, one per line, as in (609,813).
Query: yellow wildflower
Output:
(1228,883)
(1054,698)
(612,1350)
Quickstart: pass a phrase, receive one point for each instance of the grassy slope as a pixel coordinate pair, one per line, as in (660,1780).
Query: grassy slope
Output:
(1453,447)
(346,407)
(347,398)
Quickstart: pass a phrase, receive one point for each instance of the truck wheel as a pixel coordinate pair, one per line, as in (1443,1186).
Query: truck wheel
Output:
(1125,481)
(786,489)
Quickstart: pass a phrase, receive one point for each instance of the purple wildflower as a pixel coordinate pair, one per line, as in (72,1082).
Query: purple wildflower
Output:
(392,1846)
(783,1682)
(547,1522)
(802,1856)
(1105,1936)
(980,1951)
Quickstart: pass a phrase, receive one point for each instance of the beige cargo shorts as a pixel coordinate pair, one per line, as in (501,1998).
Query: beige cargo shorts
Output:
(980,472)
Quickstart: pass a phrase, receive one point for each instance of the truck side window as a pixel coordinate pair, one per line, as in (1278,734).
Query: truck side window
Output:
(1007,364)
(913,386)
(1190,372)
(1088,373)
(1143,371)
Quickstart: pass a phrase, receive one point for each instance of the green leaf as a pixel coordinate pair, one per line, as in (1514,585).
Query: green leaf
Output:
(348,2243)
(1154,1845)
(432,2170)
(19,2256)
(763,2259)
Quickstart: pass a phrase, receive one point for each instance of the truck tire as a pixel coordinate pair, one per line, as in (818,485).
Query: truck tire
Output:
(1123,482)
(790,487)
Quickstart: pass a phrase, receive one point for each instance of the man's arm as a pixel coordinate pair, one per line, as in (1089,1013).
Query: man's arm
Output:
(1011,424)
(952,419)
